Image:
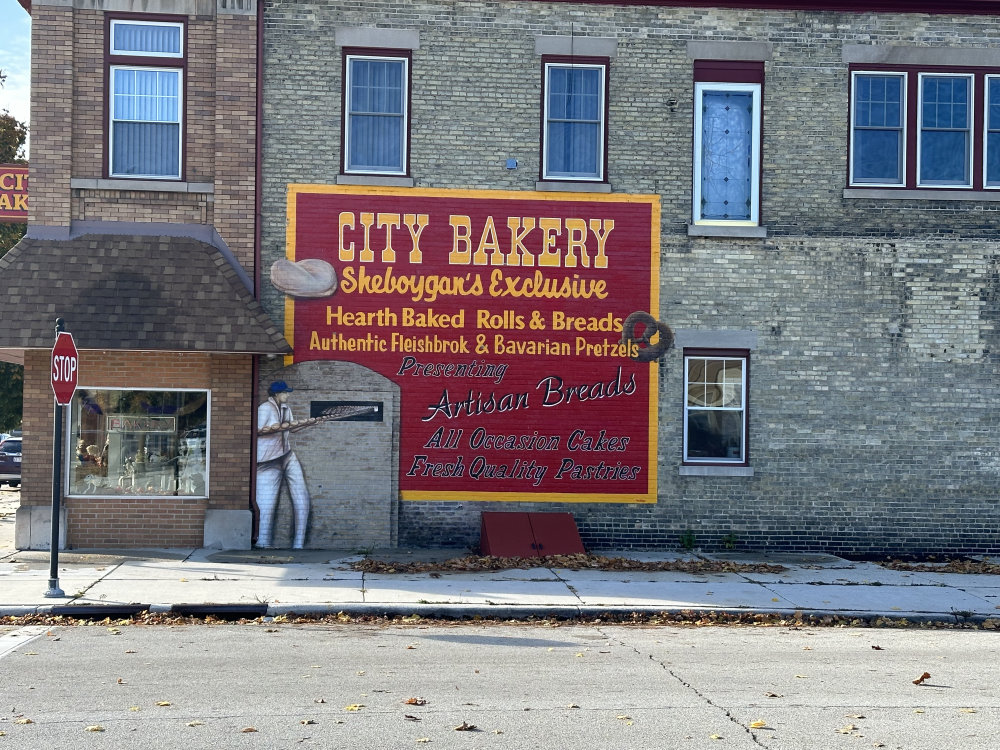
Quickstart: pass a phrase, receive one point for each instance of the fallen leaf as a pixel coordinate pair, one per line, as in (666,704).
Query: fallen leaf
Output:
(415,701)
(134,708)
(847,730)
(572,705)
(715,737)
(773,695)
(319,700)
(807,648)
(248,730)
(94,728)
(121,681)
(918,710)
(307,721)
(411,718)
(967,710)
(877,648)
(130,651)
(579,656)
(196,723)
(424,739)
(758,724)
(920,680)
(802,677)
(354,707)
(162,703)
(465,727)
(183,580)
(114,631)
(31,653)
(23,720)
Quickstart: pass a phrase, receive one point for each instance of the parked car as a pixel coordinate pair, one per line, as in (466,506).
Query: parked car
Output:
(10,461)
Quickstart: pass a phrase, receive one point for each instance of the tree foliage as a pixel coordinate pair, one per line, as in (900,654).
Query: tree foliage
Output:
(13,134)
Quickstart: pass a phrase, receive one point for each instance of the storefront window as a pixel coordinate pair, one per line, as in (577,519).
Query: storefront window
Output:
(126,442)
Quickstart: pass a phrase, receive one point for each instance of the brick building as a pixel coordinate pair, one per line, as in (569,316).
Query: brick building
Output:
(141,236)
(527,256)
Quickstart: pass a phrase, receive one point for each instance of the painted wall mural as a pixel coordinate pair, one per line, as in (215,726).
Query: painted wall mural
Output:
(515,325)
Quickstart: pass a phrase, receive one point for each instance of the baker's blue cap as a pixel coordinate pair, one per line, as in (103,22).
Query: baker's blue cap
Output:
(280,386)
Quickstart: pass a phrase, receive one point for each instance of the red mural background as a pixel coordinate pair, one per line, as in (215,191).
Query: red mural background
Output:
(499,315)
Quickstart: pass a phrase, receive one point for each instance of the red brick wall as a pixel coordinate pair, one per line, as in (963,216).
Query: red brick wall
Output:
(150,522)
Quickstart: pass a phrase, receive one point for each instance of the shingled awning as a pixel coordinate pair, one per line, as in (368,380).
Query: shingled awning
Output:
(131,292)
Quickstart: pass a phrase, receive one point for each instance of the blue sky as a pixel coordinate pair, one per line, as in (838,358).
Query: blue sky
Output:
(15,56)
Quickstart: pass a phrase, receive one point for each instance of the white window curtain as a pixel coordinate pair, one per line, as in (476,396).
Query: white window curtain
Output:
(145,133)
(376,115)
(146,39)
(574,122)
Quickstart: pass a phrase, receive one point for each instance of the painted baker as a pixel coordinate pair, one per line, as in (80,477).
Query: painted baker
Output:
(276,463)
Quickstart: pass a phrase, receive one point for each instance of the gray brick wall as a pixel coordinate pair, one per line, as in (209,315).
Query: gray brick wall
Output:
(874,397)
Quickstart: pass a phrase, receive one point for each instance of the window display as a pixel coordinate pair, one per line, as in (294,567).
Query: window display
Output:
(139,443)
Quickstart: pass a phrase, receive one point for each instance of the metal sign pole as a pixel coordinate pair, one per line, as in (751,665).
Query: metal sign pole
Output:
(54,590)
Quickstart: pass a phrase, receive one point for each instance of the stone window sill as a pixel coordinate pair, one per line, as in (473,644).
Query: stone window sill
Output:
(154,186)
(716,471)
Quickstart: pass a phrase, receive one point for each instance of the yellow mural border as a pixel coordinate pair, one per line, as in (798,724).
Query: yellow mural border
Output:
(296,189)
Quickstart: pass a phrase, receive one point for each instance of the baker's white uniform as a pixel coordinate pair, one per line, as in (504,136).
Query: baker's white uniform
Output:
(275,461)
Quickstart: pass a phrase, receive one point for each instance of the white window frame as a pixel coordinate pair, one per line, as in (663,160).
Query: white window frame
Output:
(755,151)
(993,78)
(176,175)
(69,447)
(140,53)
(970,130)
(405,121)
(166,67)
(904,136)
(602,125)
(743,459)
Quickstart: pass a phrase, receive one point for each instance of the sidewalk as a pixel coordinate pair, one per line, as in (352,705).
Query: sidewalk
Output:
(276,582)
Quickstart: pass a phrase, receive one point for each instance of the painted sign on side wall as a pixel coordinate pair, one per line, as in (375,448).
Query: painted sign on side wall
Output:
(500,316)
(13,193)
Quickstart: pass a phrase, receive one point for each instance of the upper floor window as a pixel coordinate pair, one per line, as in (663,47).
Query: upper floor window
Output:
(146,99)
(376,122)
(715,406)
(925,128)
(727,140)
(574,120)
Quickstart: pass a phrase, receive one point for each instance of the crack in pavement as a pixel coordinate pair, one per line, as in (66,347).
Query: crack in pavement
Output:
(691,688)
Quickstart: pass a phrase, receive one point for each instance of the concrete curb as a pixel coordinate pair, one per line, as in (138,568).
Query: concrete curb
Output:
(466,611)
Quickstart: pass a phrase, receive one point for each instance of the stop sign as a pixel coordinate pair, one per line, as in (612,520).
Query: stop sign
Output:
(65,368)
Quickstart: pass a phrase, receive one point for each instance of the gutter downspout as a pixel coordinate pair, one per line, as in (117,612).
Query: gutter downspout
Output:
(257,233)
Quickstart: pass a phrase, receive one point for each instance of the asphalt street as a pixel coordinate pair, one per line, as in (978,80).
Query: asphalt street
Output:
(276,685)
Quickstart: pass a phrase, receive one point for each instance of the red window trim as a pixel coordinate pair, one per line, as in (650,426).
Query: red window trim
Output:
(374,52)
(147,62)
(911,122)
(729,71)
(743,354)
